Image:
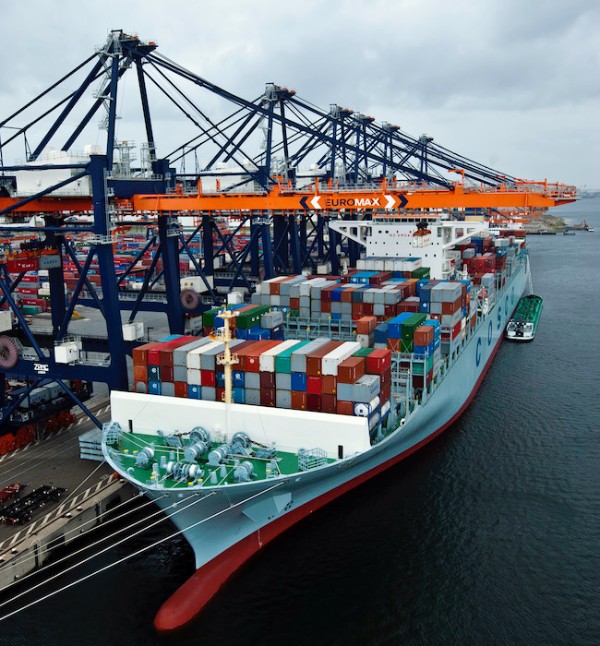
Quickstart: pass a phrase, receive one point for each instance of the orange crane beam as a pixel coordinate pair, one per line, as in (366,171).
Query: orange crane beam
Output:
(530,195)
(391,199)
(48,204)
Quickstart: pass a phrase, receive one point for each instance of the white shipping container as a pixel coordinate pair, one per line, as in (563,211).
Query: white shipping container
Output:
(307,284)
(5,321)
(365,340)
(133,331)
(331,361)
(196,283)
(193,377)
(66,353)
(362,409)
(267,358)
(193,356)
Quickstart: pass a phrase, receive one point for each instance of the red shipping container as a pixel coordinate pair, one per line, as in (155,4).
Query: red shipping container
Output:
(386,377)
(329,403)
(367,309)
(314,403)
(40,302)
(379,361)
(244,350)
(267,396)
(294,303)
(385,392)
(220,394)
(267,380)
(326,294)
(344,407)
(456,330)
(390,311)
(357,311)
(299,400)
(325,307)
(140,354)
(408,306)
(208,378)
(314,385)
(450,308)
(18,265)
(140,373)
(314,359)
(423,335)
(166,373)
(329,384)
(351,369)
(166,353)
(153,356)
(181,389)
(31,291)
(380,277)
(252,359)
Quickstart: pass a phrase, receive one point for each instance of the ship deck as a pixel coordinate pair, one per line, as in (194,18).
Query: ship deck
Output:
(157,473)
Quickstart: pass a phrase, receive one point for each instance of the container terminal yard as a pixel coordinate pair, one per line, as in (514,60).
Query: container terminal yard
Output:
(96,241)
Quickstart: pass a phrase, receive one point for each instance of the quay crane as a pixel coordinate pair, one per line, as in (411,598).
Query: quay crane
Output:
(313,165)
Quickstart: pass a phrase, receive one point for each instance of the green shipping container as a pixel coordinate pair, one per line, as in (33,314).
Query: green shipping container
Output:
(283,361)
(363,352)
(421,272)
(417,366)
(250,318)
(30,309)
(407,331)
(208,318)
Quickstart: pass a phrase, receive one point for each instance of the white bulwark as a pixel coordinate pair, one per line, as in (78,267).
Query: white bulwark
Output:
(289,429)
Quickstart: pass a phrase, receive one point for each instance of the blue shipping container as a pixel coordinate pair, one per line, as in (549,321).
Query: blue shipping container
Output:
(299,381)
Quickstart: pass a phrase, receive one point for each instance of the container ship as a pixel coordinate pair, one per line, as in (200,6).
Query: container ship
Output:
(316,385)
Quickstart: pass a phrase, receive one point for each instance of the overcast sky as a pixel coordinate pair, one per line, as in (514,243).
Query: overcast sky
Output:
(511,84)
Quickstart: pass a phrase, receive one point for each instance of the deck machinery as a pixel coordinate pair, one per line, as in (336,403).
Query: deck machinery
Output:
(237,216)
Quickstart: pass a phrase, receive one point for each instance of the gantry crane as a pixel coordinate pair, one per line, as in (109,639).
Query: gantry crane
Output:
(312,165)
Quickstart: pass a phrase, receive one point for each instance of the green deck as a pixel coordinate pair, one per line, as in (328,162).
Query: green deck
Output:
(529,310)
(130,444)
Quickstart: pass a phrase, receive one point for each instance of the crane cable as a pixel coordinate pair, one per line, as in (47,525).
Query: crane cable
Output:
(78,530)
(134,554)
(195,500)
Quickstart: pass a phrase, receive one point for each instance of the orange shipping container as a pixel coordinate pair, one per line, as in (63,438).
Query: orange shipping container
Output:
(423,335)
(298,400)
(314,359)
(366,324)
(140,373)
(344,407)
(351,369)
(329,384)
(328,403)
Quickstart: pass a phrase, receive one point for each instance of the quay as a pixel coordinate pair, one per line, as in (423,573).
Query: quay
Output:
(91,489)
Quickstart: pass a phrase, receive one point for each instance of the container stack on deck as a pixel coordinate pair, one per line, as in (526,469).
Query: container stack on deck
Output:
(321,375)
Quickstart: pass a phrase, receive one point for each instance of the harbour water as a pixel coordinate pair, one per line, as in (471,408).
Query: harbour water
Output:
(490,535)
